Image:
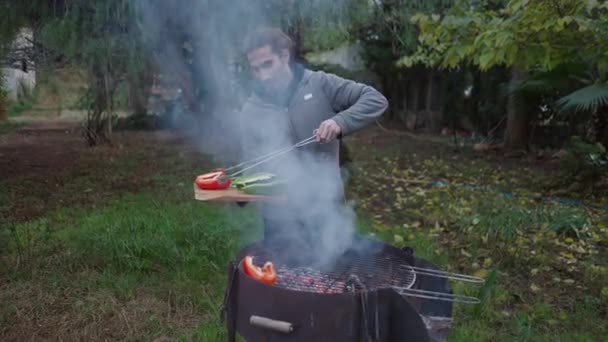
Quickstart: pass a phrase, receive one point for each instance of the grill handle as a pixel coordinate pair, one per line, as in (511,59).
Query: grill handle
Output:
(271,324)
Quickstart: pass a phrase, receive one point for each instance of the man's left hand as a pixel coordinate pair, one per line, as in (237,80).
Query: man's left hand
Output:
(327,131)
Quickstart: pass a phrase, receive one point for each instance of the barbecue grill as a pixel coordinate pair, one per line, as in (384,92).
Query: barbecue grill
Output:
(372,292)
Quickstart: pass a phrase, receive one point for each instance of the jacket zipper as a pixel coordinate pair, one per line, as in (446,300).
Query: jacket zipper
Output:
(294,98)
(285,110)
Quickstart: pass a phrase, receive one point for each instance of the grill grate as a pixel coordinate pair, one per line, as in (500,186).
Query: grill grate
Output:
(308,280)
(369,265)
(374,273)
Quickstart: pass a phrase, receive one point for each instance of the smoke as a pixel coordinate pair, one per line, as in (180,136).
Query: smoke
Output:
(199,41)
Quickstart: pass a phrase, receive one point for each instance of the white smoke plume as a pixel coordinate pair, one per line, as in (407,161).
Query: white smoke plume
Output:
(215,30)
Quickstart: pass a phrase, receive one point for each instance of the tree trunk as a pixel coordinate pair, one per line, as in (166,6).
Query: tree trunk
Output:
(601,126)
(434,119)
(100,89)
(429,92)
(3,102)
(518,121)
(415,88)
(139,91)
(395,95)
(295,33)
(387,89)
(108,103)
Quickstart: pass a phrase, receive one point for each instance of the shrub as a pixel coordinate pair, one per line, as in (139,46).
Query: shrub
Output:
(584,161)
(3,101)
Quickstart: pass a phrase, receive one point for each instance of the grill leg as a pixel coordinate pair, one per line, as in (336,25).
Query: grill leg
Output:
(229,306)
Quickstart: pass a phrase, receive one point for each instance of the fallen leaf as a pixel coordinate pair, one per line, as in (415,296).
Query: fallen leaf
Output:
(580,250)
(534,288)
(567,255)
(398,239)
(482,273)
(604,293)
(465,253)
(569,281)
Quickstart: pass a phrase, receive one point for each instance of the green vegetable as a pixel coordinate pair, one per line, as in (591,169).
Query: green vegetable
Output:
(258,178)
(265,188)
(262,183)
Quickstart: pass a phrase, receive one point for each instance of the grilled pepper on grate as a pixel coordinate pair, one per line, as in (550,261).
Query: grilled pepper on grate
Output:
(266,274)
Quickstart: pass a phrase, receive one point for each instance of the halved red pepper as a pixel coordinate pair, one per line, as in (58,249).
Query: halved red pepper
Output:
(214,180)
(266,274)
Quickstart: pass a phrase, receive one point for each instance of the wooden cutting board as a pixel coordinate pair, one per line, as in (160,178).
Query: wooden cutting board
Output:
(230,195)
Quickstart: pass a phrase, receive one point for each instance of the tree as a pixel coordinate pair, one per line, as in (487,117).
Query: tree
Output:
(100,37)
(198,45)
(527,36)
(386,34)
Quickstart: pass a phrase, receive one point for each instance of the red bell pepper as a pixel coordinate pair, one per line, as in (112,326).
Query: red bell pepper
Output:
(266,274)
(214,180)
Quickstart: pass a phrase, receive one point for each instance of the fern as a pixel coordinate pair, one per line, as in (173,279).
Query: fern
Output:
(562,79)
(587,99)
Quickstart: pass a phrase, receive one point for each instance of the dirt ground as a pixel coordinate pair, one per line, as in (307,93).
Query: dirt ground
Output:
(40,162)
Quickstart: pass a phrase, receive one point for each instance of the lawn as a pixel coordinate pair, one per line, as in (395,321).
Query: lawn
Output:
(109,244)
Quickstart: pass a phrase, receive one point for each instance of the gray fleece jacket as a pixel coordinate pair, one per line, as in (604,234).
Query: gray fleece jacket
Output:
(270,122)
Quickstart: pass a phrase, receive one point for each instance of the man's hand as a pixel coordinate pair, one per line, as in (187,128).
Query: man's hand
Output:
(327,131)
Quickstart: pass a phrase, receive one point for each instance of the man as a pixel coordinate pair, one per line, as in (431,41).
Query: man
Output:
(290,103)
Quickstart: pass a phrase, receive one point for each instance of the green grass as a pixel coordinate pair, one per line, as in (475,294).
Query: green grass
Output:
(173,250)
(18,107)
(152,264)
(8,127)
(503,217)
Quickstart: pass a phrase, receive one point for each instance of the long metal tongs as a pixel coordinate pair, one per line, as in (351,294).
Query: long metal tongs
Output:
(267,157)
(449,275)
(447,297)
